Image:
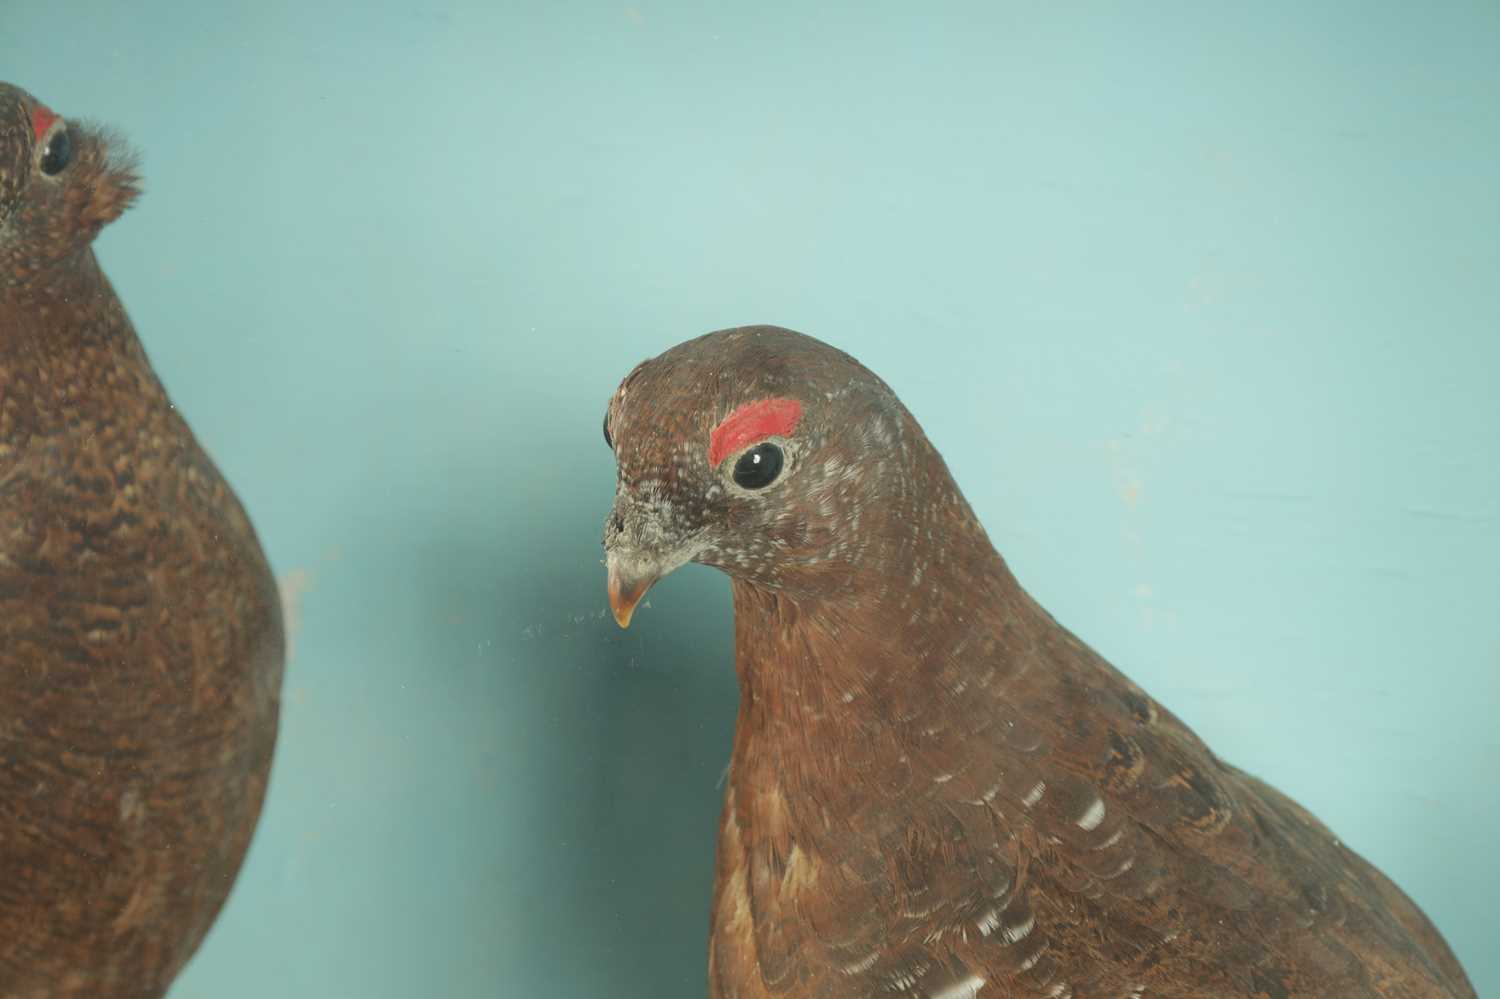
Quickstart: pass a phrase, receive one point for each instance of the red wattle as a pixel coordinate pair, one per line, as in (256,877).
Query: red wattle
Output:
(752,422)
(41,120)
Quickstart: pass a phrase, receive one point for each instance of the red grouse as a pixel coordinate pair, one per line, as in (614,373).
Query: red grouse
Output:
(140,632)
(937,790)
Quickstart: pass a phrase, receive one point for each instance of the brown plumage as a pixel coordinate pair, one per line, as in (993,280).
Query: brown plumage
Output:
(140,632)
(936,790)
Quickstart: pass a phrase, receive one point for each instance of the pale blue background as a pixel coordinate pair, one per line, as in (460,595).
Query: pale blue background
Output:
(1199,300)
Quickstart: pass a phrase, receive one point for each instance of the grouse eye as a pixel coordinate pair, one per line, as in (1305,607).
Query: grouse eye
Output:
(758,467)
(607,439)
(58,153)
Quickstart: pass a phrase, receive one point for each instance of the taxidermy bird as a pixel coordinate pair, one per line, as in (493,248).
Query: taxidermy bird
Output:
(140,631)
(936,790)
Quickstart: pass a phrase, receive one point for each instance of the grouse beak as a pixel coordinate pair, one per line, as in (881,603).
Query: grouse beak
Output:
(626,591)
(638,551)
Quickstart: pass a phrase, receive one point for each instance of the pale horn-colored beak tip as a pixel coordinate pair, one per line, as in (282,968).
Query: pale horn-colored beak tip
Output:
(625,595)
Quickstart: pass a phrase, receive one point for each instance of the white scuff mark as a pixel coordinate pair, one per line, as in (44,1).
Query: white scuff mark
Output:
(292,587)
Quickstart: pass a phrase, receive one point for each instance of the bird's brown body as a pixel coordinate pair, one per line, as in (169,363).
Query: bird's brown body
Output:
(141,640)
(936,790)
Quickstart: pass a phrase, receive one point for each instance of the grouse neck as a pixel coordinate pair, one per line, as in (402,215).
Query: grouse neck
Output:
(896,633)
(61,308)
(71,361)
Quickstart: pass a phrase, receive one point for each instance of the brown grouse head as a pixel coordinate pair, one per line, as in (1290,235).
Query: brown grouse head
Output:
(60,183)
(760,451)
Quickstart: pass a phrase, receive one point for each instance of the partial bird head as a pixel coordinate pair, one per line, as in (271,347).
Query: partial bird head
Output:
(60,183)
(760,451)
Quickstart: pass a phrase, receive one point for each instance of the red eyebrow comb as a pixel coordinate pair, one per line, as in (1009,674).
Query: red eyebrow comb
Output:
(752,422)
(41,120)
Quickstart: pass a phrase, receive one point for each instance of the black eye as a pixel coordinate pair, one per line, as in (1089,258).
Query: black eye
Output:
(58,153)
(607,439)
(758,467)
